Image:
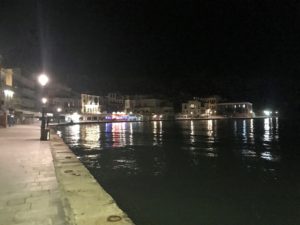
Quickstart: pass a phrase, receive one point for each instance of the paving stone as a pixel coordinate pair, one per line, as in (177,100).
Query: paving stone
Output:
(18,201)
(37,214)
(26,169)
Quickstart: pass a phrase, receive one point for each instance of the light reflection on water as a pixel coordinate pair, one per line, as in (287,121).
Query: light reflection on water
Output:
(229,164)
(203,138)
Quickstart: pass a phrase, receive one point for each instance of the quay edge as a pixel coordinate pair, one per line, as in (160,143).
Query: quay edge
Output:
(85,201)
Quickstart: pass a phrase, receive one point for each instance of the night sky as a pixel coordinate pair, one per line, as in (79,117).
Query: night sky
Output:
(242,50)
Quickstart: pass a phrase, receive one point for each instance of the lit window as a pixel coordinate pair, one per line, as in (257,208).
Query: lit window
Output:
(192,106)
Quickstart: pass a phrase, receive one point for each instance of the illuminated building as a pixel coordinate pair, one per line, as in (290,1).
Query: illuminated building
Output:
(193,109)
(90,104)
(199,107)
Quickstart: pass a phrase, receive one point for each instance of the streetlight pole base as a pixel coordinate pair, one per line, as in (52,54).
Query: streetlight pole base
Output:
(45,134)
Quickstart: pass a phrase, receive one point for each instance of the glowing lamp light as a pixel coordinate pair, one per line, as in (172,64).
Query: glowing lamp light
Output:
(154,116)
(75,117)
(44,100)
(8,93)
(43,79)
(58,110)
(267,112)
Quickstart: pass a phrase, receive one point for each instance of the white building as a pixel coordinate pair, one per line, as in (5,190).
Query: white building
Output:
(90,104)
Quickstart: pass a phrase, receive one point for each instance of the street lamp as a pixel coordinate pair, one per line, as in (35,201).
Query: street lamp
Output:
(44,100)
(43,80)
(58,116)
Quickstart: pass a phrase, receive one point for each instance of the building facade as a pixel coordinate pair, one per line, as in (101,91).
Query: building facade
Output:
(90,104)
(26,98)
(235,109)
(193,109)
(6,96)
(149,108)
(17,96)
(112,102)
(200,107)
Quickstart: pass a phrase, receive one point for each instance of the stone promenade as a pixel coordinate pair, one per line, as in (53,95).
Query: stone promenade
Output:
(29,193)
(43,183)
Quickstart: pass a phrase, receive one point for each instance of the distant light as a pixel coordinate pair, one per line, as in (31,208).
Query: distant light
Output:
(8,93)
(154,116)
(43,79)
(267,112)
(58,109)
(276,112)
(160,116)
(44,100)
(75,117)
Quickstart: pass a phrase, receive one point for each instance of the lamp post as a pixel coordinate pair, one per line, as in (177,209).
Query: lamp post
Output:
(58,114)
(43,80)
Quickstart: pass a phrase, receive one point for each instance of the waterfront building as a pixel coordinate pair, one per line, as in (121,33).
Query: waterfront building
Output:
(112,102)
(66,105)
(17,97)
(235,109)
(149,108)
(25,108)
(210,104)
(199,107)
(6,95)
(90,105)
(193,109)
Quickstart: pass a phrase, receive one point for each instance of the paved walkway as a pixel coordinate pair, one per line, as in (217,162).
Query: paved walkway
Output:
(28,184)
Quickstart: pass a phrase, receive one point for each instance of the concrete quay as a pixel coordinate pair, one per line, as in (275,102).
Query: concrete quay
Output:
(43,183)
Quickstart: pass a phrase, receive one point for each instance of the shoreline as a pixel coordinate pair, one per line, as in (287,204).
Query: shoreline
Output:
(83,198)
(144,121)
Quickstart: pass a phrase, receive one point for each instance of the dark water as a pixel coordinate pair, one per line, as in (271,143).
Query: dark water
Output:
(210,172)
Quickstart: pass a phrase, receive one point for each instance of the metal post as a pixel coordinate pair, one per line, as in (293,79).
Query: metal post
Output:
(43,126)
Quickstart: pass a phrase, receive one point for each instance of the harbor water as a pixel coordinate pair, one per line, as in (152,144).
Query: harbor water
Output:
(194,172)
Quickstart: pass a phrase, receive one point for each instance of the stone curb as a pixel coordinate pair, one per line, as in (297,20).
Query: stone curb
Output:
(85,201)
